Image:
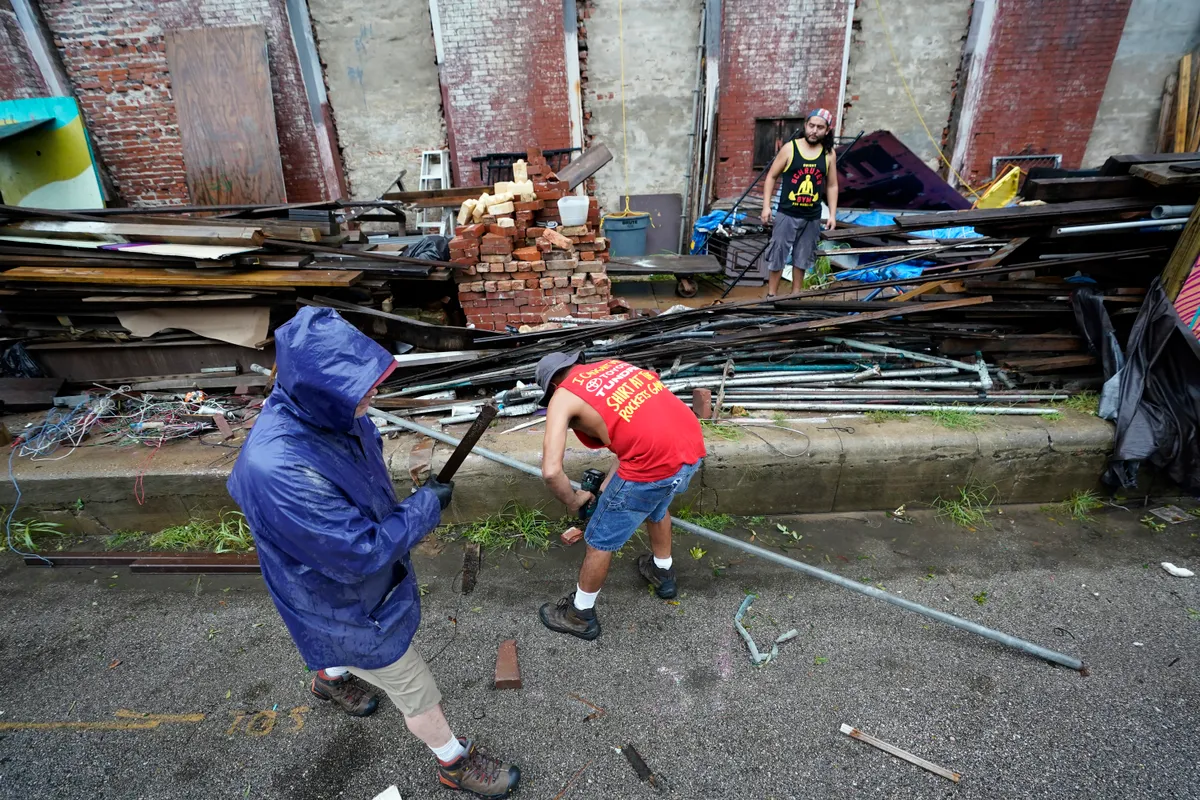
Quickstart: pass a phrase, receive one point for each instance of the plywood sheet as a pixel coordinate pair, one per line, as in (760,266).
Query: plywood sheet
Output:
(222,86)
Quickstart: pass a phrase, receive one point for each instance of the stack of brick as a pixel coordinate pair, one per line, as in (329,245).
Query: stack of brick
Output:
(522,267)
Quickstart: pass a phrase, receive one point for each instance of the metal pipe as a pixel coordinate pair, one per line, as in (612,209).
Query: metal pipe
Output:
(776,558)
(903,397)
(1074,230)
(979,367)
(1028,412)
(1161,212)
(770,378)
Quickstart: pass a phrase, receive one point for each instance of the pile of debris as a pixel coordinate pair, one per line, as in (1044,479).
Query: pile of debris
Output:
(522,267)
(183,297)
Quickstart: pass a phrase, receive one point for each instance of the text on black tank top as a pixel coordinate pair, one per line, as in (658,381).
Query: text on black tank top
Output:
(803,184)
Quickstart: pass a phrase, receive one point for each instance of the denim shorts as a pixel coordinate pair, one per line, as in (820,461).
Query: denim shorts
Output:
(625,505)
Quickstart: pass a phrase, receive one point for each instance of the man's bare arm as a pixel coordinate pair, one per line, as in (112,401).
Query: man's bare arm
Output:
(831,190)
(554,446)
(777,167)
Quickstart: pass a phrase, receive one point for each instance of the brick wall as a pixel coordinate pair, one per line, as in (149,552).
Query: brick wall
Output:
(504,79)
(19,76)
(777,60)
(1046,69)
(115,54)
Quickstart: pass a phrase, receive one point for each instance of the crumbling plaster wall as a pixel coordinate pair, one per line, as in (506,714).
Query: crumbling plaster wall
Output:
(661,39)
(928,38)
(382,78)
(1157,33)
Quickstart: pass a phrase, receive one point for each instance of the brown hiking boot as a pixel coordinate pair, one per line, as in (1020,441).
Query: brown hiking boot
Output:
(347,693)
(564,617)
(479,773)
(663,580)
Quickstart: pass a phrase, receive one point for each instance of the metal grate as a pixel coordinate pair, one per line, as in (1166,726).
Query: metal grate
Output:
(1000,164)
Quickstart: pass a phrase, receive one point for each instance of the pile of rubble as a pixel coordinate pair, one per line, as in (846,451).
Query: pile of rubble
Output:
(523,268)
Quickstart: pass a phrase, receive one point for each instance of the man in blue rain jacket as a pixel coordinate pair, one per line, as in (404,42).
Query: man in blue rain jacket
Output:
(333,541)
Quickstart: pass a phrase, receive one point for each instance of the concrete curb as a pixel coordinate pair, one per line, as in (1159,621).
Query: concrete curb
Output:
(764,471)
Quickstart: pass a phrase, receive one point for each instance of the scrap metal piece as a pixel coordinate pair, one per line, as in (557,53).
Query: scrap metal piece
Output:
(639,765)
(855,733)
(757,657)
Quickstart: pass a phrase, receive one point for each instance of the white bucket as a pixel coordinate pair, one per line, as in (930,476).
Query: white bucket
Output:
(573,209)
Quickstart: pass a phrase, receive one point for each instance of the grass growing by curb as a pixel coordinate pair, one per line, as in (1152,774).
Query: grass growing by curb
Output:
(969,509)
(730,433)
(1084,403)
(714,522)
(229,533)
(512,525)
(955,419)
(28,534)
(1078,506)
(887,416)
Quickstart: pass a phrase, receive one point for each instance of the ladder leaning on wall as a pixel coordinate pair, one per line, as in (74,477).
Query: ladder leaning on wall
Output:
(435,174)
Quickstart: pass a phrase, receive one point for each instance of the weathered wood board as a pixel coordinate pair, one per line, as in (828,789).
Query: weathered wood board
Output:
(221,81)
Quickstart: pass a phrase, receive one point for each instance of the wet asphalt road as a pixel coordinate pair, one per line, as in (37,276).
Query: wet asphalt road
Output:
(123,686)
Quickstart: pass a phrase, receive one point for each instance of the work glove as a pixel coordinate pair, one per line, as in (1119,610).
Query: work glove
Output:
(443,491)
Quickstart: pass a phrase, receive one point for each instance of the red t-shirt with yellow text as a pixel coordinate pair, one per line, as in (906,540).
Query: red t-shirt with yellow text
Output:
(652,432)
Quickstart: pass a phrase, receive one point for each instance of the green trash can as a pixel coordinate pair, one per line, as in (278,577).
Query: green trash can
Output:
(626,234)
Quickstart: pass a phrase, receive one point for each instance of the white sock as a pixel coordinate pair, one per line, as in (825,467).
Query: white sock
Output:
(663,563)
(585,600)
(336,672)
(450,751)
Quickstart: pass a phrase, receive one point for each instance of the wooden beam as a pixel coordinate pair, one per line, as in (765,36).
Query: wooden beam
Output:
(851,319)
(1121,164)
(1183,257)
(586,165)
(1094,187)
(220,234)
(1181,104)
(1165,122)
(267,278)
(1167,175)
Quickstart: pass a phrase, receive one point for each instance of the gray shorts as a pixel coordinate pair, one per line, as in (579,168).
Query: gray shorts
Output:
(795,237)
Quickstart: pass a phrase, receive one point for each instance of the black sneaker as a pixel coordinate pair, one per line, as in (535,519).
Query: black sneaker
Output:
(564,617)
(663,580)
(347,693)
(480,774)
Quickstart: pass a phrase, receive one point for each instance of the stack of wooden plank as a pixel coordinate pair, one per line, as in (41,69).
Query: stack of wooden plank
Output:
(198,287)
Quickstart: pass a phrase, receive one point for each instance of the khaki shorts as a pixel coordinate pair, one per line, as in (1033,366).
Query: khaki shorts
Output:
(408,682)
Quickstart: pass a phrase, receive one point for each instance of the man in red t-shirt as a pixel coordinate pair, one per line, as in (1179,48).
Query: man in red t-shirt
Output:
(659,446)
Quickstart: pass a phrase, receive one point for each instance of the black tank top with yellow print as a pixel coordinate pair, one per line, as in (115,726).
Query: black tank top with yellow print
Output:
(803,184)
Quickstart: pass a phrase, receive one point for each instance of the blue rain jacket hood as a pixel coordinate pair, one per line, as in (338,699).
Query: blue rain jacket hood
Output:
(311,479)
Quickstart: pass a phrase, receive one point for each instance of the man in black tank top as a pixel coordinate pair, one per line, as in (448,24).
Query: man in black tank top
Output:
(809,171)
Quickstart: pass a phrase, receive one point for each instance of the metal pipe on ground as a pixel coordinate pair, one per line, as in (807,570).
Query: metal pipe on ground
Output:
(776,558)
(919,398)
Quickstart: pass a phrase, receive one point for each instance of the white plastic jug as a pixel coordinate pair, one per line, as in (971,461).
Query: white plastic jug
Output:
(573,209)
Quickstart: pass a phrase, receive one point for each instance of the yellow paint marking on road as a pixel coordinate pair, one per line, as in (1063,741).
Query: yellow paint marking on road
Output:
(126,721)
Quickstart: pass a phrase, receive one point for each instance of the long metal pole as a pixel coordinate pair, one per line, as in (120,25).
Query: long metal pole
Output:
(776,558)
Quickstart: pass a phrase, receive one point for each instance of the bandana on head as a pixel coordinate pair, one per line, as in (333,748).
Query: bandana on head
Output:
(823,114)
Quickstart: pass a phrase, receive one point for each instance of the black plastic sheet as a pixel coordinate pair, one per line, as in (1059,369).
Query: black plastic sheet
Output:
(1159,418)
(430,248)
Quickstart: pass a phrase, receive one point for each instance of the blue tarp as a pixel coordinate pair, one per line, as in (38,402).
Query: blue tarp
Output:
(908,269)
(706,225)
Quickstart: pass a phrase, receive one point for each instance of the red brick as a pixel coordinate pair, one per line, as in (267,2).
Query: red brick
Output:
(527,254)
(702,403)
(528,208)
(587,256)
(501,230)
(471,231)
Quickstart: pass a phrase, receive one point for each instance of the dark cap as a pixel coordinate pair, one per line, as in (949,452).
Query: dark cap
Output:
(548,367)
